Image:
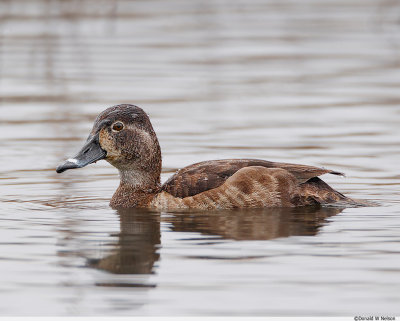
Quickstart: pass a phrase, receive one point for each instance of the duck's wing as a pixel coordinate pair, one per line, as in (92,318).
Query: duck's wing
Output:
(201,177)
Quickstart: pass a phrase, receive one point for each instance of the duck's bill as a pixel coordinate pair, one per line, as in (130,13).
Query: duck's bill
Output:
(90,153)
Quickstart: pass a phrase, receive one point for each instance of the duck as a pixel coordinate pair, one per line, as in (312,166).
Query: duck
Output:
(124,136)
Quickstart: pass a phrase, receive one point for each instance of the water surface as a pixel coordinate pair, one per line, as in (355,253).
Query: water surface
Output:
(306,82)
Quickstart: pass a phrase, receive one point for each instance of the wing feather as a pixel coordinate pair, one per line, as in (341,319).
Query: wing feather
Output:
(200,177)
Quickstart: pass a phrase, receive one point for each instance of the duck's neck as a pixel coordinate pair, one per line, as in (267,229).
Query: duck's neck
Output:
(136,189)
(138,179)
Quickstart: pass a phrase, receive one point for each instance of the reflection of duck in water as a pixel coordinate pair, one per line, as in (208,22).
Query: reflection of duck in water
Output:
(139,239)
(254,224)
(138,242)
(124,136)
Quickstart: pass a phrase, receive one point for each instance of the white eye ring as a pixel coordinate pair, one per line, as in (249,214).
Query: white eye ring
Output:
(117,126)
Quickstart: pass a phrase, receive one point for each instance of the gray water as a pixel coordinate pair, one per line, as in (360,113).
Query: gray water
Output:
(309,82)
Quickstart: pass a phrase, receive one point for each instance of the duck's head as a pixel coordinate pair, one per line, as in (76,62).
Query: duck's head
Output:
(123,136)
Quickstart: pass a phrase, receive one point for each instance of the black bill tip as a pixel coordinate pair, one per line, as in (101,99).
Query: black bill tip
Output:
(68,164)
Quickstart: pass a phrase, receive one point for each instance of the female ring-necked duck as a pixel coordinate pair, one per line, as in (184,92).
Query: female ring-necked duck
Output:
(124,136)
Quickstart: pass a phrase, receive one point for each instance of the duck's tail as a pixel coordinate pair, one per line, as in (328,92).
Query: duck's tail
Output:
(316,191)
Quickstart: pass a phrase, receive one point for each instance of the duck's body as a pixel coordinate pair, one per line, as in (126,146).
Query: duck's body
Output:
(124,136)
(245,183)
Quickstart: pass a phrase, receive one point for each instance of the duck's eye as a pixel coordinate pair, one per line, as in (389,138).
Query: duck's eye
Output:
(118,126)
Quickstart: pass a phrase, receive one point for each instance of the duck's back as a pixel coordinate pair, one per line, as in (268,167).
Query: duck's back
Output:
(242,183)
